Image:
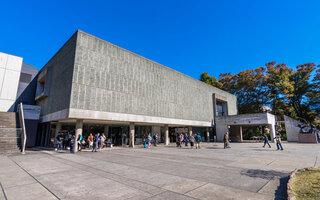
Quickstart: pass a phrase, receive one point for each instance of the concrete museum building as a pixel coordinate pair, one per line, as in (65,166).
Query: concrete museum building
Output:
(91,85)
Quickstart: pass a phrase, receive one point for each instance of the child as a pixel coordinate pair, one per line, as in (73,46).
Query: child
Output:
(278,139)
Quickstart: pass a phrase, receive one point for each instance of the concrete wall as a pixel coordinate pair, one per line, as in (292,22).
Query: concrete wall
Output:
(292,129)
(60,72)
(110,79)
(28,73)
(222,123)
(10,67)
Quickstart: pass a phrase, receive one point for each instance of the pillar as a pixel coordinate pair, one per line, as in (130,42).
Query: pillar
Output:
(241,137)
(58,129)
(272,132)
(190,130)
(131,135)
(79,127)
(208,134)
(106,131)
(166,135)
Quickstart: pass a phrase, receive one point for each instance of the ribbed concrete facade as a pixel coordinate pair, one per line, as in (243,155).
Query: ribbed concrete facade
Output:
(108,80)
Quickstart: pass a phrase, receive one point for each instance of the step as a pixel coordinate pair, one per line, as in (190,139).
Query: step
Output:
(10,132)
(8,120)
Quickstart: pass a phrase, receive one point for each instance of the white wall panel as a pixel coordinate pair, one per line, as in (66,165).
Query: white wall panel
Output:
(3,60)
(14,63)
(10,85)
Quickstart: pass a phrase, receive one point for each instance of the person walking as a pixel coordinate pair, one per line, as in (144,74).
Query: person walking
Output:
(198,140)
(155,139)
(79,142)
(59,141)
(90,140)
(72,143)
(149,138)
(192,141)
(96,142)
(186,139)
(102,140)
(226,140)
(278,140)
(265,138)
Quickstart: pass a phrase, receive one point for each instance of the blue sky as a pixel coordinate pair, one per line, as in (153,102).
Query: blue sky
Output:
(188,36)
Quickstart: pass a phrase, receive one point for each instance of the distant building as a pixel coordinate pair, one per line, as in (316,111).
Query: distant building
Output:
(10,69)
(15,76)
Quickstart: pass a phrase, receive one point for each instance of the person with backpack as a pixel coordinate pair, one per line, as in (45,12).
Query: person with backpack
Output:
(278,140)
(265,138)
(198,140)
(59,141)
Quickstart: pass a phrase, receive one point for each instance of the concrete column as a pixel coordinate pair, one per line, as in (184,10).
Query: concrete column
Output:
(79,127)
(272,132)
(58,128)
(106,131)
(241,137)
(208,135)
(190,130)
(166,135)
(131,135)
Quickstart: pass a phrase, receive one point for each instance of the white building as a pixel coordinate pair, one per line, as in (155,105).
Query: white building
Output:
(10,69)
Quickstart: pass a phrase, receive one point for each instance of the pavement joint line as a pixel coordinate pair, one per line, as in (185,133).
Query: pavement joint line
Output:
(196,188)
(4,194)
(92,172)
(35,179)
(172,192)
(145,169)
(21,185)
(264,185)
(270,163)
(124,177)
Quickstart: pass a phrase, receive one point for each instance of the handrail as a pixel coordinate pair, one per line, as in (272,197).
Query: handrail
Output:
(22,124)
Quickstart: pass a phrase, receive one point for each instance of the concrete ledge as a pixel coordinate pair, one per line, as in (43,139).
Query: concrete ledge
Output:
(98,115)
(308,138)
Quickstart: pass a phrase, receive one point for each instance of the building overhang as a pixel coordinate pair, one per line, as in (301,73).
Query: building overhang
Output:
(91,116)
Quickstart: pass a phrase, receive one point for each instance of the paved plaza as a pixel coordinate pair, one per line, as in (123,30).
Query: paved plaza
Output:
(246,171)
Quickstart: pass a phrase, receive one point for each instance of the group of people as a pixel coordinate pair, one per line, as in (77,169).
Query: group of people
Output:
(93,142)
(277,138)
(149,140)
(186,139)
(99,141)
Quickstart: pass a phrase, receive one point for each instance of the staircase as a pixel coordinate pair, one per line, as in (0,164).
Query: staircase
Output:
(10,135)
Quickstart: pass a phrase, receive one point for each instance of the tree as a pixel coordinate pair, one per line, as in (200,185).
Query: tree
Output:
(287,91)
(314,95)
(210,80)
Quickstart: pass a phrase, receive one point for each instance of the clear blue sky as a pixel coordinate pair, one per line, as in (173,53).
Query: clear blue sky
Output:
(188,36)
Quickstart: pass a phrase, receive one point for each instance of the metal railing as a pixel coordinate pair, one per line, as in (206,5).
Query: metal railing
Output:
(23,129)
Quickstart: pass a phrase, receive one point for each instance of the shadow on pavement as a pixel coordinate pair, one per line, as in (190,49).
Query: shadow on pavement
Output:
(256,173)
(281,191)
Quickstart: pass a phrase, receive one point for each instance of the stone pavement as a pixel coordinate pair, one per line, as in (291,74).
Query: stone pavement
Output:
(246,171)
